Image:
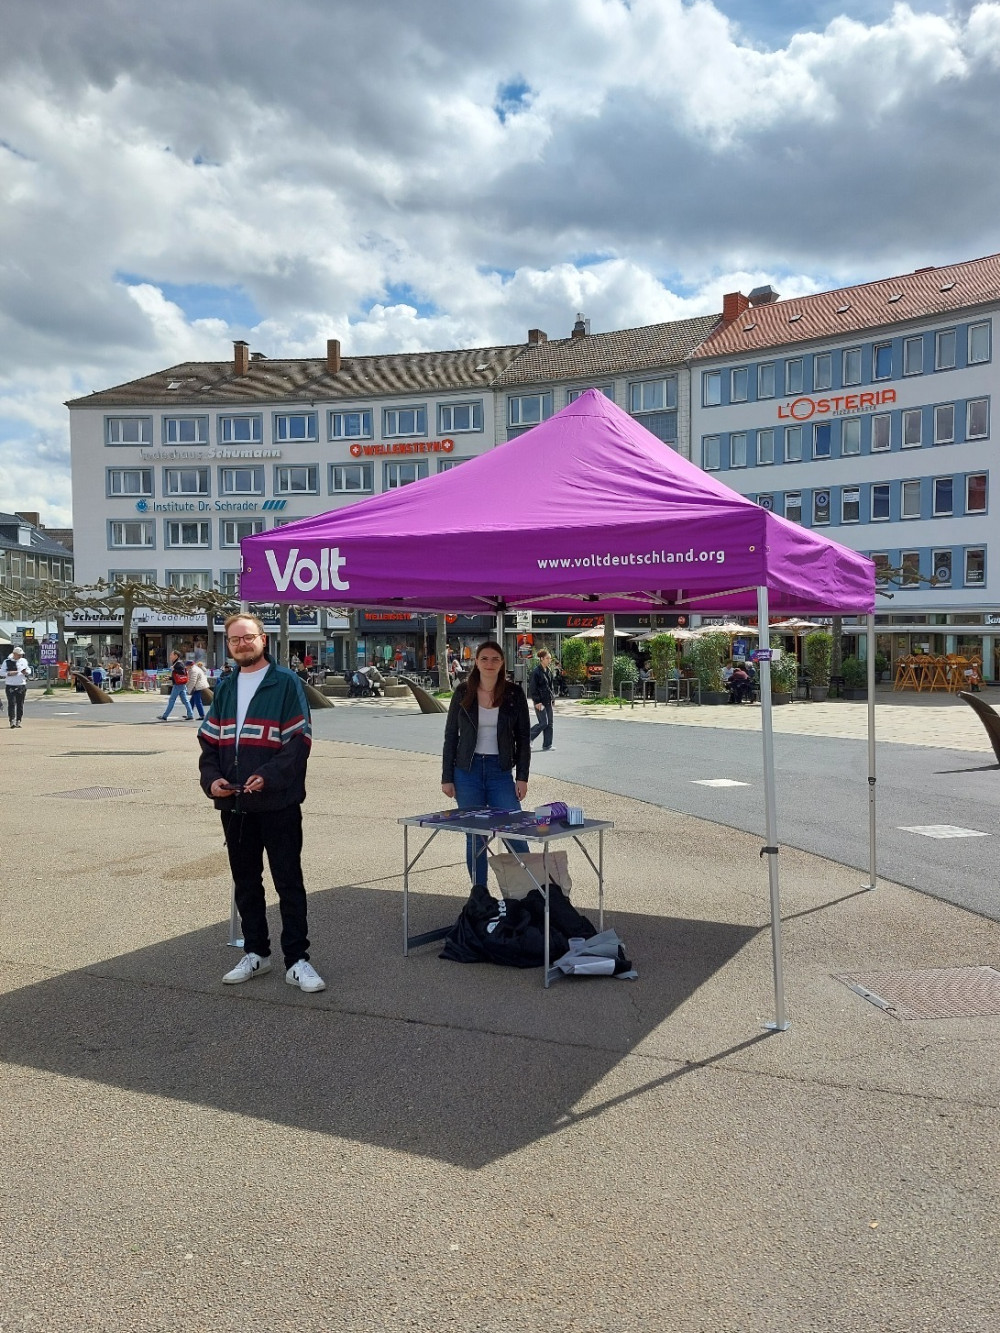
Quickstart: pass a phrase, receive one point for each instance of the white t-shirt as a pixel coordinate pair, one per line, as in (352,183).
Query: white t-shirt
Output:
(486,742)
(247,684)
(16,670)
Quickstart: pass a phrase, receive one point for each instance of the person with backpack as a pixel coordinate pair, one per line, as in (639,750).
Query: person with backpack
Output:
(15,674)
(178,688)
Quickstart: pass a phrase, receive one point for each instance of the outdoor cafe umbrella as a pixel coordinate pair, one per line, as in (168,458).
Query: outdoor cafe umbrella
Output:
(598,633)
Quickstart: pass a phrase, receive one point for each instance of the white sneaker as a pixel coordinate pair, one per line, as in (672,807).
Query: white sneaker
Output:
(305,976)
(250,965)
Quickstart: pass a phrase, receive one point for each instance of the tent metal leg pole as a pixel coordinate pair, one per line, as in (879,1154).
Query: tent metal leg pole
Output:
(872,879)
(406,891)
(770,850)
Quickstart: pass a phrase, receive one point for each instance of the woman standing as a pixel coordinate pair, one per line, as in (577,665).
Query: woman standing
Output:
(197,681)
(486,738)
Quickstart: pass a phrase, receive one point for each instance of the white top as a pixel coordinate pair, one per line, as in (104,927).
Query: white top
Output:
(486,742)
(247,683)
(16,670)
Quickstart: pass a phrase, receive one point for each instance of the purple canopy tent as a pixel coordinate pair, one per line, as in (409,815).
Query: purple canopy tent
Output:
(587,509)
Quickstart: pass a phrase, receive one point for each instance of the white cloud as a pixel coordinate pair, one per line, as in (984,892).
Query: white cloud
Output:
(346,169)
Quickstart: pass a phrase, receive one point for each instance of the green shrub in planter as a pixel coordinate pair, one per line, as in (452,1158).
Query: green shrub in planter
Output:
(855,673)
(785,674)
(624,669)
(819,650)
(881,665)
(708,652)
(574,660)
(662,656)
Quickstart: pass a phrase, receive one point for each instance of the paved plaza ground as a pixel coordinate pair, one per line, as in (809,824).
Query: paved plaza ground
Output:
(437,1147)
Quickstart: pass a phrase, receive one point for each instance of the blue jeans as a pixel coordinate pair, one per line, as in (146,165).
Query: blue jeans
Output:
(195,698)
(485,784)
(543,724)
(178,692)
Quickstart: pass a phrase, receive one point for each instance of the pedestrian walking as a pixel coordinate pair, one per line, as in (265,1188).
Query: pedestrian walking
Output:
(16,672)
(541,692)
(178,687)
(197,681)
(485,737)
(255,746)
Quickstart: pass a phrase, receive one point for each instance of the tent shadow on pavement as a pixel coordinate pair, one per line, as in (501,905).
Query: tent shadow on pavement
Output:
(463,1064)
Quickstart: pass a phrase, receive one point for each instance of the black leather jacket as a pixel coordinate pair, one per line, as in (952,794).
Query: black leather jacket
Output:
(513,734)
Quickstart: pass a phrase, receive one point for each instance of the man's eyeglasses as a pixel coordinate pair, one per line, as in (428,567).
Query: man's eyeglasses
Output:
(242,638)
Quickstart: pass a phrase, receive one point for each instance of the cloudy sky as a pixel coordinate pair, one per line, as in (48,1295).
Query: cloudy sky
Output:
(407,174)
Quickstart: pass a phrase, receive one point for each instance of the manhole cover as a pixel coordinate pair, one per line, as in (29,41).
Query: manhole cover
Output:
(95,793)
(931,992)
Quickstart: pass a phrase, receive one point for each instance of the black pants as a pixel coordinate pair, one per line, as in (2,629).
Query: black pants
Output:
(543,725)
(279,833)
(15,702)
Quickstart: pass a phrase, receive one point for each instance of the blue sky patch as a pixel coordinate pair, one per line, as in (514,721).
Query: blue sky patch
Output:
(511,98)
(203,300)
(403,294)
(773,23)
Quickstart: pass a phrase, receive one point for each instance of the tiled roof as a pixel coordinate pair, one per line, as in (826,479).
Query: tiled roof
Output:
(620,352)
(216,384)
(41,544)
(872,305)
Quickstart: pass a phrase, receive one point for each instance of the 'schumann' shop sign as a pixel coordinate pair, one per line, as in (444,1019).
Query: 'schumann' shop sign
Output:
(802,409)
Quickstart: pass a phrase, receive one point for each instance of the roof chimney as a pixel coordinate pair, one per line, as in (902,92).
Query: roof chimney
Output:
(29,517)
(333,355)
(733,305)
(581,328)
(536,336)
(241,357)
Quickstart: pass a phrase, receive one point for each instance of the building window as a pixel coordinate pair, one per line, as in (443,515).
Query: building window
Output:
(711,388)
(132,533)
(711,447)
(459,418)
(913,355)
(793,444)
(295,427)
(909,506)
(793,506)
(573,394)
(446,464)
(185,481)
(240,429)
(822,371)
(185,430)
(653,395)
(128,430)
(738,449)
(852,365)
(913,428)
(945,344)
(241,481)
(296,480)
(975,566)
(909,565)
(979,344)
(355,478)
(793,375)
(350,425)
(975,493)
(941,567)
(822,432)
(850,504)
(944,489)
(882,361)
(739,384)
(944,423)
(821,508)
(131,575)
(402,474)
(880,559)
(977,418)
(765,446)
(765,380)
(190,580)
(529,409)
(195,534)
(850,436)
(766,502)
(130,481)
(881,432)
(233,530)
(398,421)
(880,502)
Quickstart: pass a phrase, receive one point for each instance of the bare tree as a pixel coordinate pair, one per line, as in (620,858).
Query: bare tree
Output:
(608,656)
